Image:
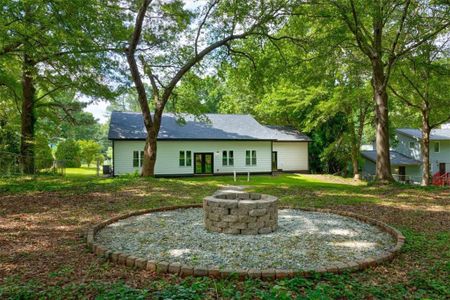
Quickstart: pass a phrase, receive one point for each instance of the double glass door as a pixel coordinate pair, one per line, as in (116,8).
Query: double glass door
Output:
(203,163)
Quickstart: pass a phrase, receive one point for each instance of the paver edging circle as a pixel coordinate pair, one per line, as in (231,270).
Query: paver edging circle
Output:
(187,270)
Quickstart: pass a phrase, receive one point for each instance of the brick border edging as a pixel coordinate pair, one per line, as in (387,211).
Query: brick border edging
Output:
(187,270)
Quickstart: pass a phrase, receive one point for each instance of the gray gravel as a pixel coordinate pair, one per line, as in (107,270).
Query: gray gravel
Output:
(304,240)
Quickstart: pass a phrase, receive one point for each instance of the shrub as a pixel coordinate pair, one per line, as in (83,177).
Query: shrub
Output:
(90,151)
(43,153)
(69,152)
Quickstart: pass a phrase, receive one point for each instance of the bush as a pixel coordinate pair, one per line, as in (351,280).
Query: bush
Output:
(90,151)
(43,153)
(69,152)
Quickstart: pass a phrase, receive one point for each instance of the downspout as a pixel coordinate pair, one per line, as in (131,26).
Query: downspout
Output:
(113,157)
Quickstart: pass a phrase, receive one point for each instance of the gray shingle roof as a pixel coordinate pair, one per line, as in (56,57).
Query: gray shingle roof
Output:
(284,133)
(397,159)
(436,134)
(130,126)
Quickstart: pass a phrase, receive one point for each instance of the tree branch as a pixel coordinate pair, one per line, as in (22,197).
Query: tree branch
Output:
(426,38)
(392,56)
(199,57)
(414,86)
(409,103)
(360,38)
(51,92)
(440,122)
(10,48)
(135,74)
(203,23)
(246,55)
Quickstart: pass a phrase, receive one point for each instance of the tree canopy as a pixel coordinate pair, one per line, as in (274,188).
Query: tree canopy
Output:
(327,68)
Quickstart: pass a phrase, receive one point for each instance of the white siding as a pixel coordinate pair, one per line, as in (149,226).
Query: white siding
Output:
(443,156)
(403,146)
(292,156)
(167,161)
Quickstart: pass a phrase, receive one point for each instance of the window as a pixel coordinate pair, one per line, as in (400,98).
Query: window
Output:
(182,159)
(135,159)
(412,145)
(250,158)
(188,158)
(224,158)
(230,158)
(437,147)
(185,159)
(227,158)
(138,159)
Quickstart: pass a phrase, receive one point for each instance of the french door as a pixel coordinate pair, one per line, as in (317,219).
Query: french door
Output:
(203,163)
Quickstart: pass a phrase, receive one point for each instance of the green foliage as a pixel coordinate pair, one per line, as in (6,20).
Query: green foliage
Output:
(14,289)
(422,83)
(197,95)
(43,153)
(69,151)
(90,151)
(9,138)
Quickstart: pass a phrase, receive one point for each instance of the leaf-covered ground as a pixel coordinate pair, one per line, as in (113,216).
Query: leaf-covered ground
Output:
(43,221)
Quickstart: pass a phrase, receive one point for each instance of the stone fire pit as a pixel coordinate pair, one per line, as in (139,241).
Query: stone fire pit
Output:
(241,213)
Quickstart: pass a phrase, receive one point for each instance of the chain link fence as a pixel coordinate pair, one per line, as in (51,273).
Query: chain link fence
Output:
(13,164)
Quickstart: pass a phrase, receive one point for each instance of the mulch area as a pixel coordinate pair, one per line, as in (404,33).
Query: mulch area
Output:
(42,235)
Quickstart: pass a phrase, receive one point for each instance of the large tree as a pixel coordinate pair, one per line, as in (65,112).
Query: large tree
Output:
(314,81)
(176,40)
(422,82)
(385,31)
(48,47)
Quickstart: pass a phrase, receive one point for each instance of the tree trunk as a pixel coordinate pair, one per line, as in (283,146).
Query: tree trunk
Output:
(383,165)
(355,164)
(28,117)
(354,149)
(426,129)
(148,167)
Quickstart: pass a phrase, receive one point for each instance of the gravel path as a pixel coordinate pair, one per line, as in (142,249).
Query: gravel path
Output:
(304,240)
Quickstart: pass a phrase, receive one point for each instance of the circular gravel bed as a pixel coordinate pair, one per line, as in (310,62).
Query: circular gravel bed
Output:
(304,240)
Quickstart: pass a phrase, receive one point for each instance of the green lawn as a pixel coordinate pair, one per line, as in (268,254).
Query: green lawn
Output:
(44,218)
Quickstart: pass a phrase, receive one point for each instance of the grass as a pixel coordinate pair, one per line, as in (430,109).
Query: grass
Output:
(43,255)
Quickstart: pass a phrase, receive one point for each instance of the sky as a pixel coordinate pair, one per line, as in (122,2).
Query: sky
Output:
(99,111)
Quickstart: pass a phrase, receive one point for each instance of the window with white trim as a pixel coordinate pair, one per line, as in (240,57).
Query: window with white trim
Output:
(185,158)
(250,157)
(412,145)
(138,159)
(227,158)
(437,147)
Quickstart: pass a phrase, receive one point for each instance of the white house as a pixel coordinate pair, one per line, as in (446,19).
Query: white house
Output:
(406,155)
(219,144)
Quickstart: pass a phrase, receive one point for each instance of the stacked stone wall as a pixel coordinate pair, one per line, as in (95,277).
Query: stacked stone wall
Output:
(241,213)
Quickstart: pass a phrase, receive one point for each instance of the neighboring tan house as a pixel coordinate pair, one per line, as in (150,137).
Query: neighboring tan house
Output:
(220,144)
(406,156)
